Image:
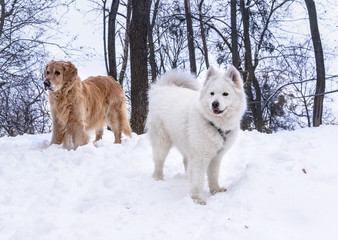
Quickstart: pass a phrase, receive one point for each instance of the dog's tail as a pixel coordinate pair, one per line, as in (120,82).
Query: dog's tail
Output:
(125,126)
(179,79)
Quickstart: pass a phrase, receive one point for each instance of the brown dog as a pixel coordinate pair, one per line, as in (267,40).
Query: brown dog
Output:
(78,106)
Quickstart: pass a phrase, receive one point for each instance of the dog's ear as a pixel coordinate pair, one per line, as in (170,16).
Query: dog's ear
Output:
(69,76)
(210,73)
(49,63)
(69,71)
(235,76)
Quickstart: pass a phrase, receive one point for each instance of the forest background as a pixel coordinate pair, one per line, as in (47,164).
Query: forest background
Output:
(273,43)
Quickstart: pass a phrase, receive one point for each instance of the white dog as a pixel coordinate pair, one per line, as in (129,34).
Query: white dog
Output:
(201,123)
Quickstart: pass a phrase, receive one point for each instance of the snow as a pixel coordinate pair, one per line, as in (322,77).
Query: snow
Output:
(280,186)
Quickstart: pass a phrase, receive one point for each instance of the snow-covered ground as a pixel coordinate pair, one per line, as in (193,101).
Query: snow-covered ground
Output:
(280,186)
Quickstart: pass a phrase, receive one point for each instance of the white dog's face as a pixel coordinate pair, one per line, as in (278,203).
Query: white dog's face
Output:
(222,92)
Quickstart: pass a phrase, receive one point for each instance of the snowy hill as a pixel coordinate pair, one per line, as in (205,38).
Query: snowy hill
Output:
(280,186)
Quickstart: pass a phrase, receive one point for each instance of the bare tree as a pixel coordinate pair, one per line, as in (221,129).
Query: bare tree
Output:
(111,38)
(23,40)
(125,44)
(152,60)
(116,27)
(138,63)
(257,25)
(109,32)
(104,21)
(234,35)
(203,35)
(253,45)
(249,75)
(190,36)
(320,68)
(170,37)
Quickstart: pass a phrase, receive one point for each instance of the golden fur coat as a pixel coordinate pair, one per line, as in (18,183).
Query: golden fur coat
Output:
(78,106)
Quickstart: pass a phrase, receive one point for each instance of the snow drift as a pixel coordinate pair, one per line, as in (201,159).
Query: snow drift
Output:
(280,186)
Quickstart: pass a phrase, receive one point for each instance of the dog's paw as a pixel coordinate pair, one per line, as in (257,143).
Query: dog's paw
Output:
(158,176)
(217,190)
(199,201)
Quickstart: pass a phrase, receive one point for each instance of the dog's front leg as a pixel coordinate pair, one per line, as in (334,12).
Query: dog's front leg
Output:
(213,175)
(78,135)
(196,169)
(57,137)
(58,133)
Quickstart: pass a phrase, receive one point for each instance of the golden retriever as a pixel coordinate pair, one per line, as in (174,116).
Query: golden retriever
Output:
(78,106)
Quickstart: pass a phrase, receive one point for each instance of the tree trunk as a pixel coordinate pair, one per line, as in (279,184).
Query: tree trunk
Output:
(234,36)
(190,34)
(2,16)
(111,38)
(250,78)
(204,41)
(152,61)
(105,54)
(138,63)
(126,44)
(320,67)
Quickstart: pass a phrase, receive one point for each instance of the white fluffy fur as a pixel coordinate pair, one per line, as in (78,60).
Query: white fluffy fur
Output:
(180,116)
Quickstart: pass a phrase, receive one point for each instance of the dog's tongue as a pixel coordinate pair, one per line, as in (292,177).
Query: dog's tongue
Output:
(216,111)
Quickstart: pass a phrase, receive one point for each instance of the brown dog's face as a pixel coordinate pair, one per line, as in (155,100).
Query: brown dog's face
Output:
(58,73)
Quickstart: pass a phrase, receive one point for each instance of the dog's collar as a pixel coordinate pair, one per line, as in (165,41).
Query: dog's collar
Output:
(221,132)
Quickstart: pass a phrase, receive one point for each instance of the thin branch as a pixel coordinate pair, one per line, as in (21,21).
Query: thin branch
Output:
(292,83)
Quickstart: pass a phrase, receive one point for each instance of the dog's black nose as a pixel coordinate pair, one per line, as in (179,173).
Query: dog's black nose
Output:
(47,84)
(215,104)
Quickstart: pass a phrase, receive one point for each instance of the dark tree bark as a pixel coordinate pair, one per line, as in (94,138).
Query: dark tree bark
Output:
(204,41)
(104,2)
(320,67)
(253,88)
(249,75)
(111,38)
(190,33)
(234,35)
(138,63)
(152,61)
(2,16)
(126,45)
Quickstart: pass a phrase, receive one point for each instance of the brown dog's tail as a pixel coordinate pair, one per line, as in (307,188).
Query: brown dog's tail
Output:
(125,127)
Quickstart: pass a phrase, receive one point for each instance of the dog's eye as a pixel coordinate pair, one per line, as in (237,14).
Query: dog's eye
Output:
(57,73)
(47,72)
(212,93)
(225,94)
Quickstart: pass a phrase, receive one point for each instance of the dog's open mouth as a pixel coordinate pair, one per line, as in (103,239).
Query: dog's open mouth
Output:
(217,111)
